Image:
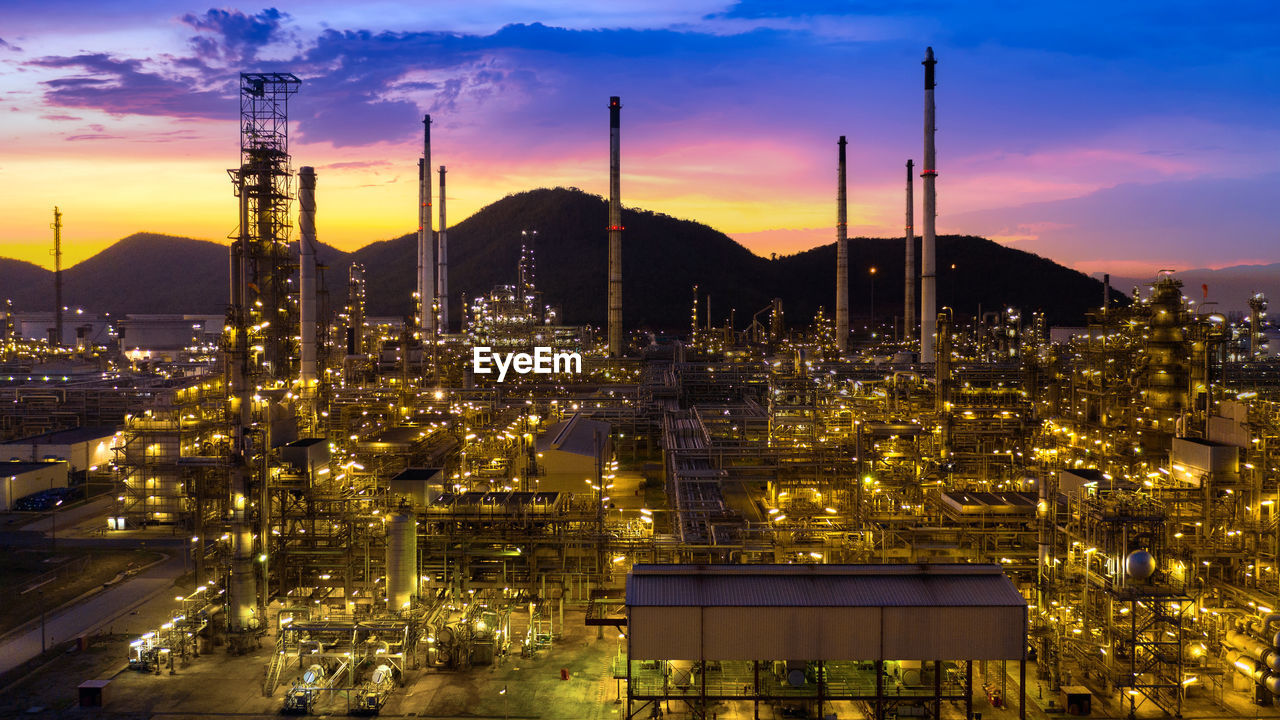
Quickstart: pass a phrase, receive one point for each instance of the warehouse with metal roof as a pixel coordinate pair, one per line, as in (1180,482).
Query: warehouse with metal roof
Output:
(857,633)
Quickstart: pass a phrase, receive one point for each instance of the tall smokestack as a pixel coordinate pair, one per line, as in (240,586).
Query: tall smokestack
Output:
(1106,291)
(928,290)
(56,226)
(426,237)
(615,232)
(842,253)
(307,375)
(909,299)
(442,269)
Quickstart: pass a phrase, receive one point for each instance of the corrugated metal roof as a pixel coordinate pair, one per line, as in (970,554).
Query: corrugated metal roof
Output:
(18,467)
(576,435)
(67,437)
(934,585)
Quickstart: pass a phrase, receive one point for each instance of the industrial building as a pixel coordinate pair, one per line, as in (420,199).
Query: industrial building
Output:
(84,448)
(862,636)
(20,479)
(776,519)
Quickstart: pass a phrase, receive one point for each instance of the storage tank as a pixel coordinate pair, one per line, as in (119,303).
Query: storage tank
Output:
(1140,565)
(402,556)
(243,598)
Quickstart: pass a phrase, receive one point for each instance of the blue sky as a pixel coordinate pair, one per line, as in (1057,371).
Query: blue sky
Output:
(1110,136)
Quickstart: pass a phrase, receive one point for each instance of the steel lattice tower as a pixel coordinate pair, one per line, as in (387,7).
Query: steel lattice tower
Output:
(263,184)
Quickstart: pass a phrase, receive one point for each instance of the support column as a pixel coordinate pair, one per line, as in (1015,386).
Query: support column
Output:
(968,689)
(879,690)
(1022,687)
(937,689)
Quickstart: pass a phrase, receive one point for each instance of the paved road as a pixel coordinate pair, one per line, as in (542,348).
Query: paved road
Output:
(68,518)
(98,611)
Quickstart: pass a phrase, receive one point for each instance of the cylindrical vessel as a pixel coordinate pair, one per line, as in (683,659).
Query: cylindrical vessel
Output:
(1266,657)
(307,375)
(243,596)
(402,555)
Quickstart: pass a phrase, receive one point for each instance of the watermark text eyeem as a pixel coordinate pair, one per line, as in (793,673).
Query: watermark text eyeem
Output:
(542,361)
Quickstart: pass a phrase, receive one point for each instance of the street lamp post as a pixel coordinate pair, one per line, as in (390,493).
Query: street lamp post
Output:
(53,526)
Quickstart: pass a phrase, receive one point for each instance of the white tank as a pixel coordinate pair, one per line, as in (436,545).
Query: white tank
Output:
(402,560)
(1140,565)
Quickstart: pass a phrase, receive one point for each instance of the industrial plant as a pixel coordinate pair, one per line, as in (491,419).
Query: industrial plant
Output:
(952,515)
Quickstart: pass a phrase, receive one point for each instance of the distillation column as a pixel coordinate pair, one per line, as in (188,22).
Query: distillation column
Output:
(615,232)
(1257,341)
(842,253)
(426,237)
(355,309)
(928,296)
(307,376)
(442,270)
(242,597)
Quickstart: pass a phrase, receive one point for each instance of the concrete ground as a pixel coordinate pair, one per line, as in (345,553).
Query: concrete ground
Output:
(218,685)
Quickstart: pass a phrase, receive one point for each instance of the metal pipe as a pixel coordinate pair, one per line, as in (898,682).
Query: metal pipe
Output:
(928,290)
(1256,649)
(615,231)
(442,274)
(236,276)
(426,235)
(307,375)
(842,253)
(909,299)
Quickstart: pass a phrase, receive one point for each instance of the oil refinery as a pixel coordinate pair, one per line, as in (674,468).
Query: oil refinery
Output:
(483,509)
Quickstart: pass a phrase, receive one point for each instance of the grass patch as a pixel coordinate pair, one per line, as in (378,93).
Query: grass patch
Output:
(61,576)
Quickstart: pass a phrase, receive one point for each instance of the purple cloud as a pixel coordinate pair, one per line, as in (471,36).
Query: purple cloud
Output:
(124,87)
(232,37)
(355,165)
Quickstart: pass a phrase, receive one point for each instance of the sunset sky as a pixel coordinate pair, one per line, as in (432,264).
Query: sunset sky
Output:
(1123,137)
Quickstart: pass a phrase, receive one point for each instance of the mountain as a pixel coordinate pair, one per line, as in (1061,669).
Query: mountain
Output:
(28,285)
(663,257)
(1230,287)
(142,273)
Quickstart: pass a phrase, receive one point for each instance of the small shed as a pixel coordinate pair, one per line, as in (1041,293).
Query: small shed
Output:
(822,632)
(92,692)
